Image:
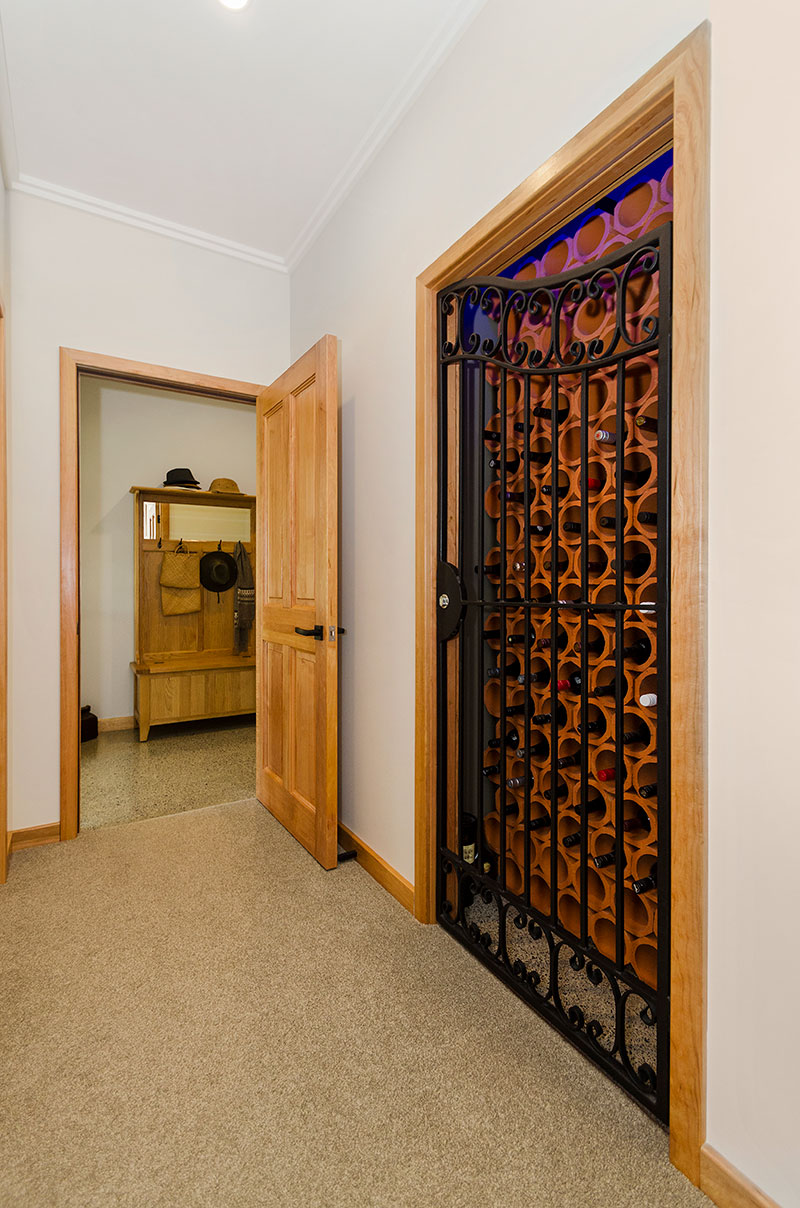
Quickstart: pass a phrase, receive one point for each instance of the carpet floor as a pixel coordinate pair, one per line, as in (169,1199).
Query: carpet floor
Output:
(193,1013)
(180,767)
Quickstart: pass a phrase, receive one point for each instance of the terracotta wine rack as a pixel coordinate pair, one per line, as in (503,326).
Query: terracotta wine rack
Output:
(554,586)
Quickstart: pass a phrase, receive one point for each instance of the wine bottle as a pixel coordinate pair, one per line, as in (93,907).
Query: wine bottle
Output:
(571,526)
(571,683)
(546,643)
(606,774)
(637,652)
(561,791)
(594,645)
(492,569)
(515,710)
(638,822)
(632,736)
(592,727)
(648,700)
(608,522)
(544,411)
(646,423)
(569,761)
(572,840)
(511,740)
(596,806)
(561,566)
(648,517)
(547,489)
(490,434)
(534,677)
(492,769)
(648,790)
(511,465)
(593,484)
(608,689)
(517,782)
(645,884)
(595,565)
(541,530)
(515,496)
(606,859)
(538,748)
(512,670)
(544,719)
(469,838)
(604,437)
(517,566)
(518,639)
(637,478)
(636,566)
(491,635)
(539,823)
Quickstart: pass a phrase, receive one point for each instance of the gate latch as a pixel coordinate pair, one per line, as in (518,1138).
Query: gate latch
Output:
(449,601)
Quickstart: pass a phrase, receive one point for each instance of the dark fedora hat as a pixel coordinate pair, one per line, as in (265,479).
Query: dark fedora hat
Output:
(217,571)
(181,478)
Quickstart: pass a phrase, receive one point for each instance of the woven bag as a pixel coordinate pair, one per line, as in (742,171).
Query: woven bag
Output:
(177,600)
(180,570)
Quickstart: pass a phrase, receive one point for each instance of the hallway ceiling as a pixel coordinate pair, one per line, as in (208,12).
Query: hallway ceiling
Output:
(247,126)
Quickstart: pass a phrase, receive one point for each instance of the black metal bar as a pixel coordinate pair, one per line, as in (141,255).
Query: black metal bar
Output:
(554,625)
(584,661)
(526,620)
(504,625)
(619,693)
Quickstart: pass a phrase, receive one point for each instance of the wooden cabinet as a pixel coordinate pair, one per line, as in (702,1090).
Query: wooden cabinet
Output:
(186,666)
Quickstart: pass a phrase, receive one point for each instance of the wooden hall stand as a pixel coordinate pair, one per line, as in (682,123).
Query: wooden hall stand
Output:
(185,667)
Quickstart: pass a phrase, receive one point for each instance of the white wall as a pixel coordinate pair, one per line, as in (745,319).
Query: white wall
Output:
(132,436)
(481,126)
(89,283)
(754,580)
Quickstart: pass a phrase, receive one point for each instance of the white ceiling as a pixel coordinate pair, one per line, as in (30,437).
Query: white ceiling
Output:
(246,126)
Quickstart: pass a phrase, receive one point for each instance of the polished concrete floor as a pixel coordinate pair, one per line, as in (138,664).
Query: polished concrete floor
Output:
(180,767)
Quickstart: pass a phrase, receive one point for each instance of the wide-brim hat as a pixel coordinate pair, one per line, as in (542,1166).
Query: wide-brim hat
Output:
(181,478)
(217,571)
(224,486)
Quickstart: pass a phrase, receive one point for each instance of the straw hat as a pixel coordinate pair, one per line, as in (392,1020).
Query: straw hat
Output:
(225,486)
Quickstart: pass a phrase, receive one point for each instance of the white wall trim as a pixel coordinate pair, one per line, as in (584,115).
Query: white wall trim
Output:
(435,51)
(9,162)
(148,222)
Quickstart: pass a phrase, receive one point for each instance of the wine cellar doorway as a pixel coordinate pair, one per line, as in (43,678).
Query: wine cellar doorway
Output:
(666,111)
(553,675)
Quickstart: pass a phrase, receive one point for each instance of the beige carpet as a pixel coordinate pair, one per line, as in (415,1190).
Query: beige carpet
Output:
(194,1013)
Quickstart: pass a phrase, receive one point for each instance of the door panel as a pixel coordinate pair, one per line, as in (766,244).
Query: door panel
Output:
(297,588)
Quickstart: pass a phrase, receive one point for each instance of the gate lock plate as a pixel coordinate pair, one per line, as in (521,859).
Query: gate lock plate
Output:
(449,601)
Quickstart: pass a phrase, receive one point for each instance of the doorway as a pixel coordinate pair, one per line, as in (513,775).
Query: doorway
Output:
(167,487)
(118,755)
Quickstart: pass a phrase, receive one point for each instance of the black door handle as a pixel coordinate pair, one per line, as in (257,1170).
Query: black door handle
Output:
(315,633)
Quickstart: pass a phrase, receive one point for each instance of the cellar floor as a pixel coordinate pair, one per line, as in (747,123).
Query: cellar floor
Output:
(195,1013)
(180,767)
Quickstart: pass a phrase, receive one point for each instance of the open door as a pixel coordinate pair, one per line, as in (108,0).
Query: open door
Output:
(297,600)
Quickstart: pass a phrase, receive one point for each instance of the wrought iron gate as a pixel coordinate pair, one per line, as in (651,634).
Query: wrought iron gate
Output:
(553,673)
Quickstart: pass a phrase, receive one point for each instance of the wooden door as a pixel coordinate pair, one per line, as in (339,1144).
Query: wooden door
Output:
(297,589)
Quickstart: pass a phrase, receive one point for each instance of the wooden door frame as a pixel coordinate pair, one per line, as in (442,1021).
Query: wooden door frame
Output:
(667,106)
(75,364)
(4,833)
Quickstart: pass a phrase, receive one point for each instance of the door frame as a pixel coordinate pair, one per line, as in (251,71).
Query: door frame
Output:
(669,106)
(75,364)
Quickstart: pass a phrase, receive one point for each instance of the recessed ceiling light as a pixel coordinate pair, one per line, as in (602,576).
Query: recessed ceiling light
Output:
(235,3)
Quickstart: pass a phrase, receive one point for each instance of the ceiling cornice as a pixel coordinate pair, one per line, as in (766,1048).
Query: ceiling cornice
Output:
(148,222)
(436,50)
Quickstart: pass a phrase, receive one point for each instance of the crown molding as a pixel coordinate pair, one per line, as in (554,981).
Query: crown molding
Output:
(435,51)
(33,187)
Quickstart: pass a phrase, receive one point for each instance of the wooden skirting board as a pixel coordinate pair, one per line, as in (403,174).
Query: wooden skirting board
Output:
(115,723)
(376,866)
(727,1186)
(34,836)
